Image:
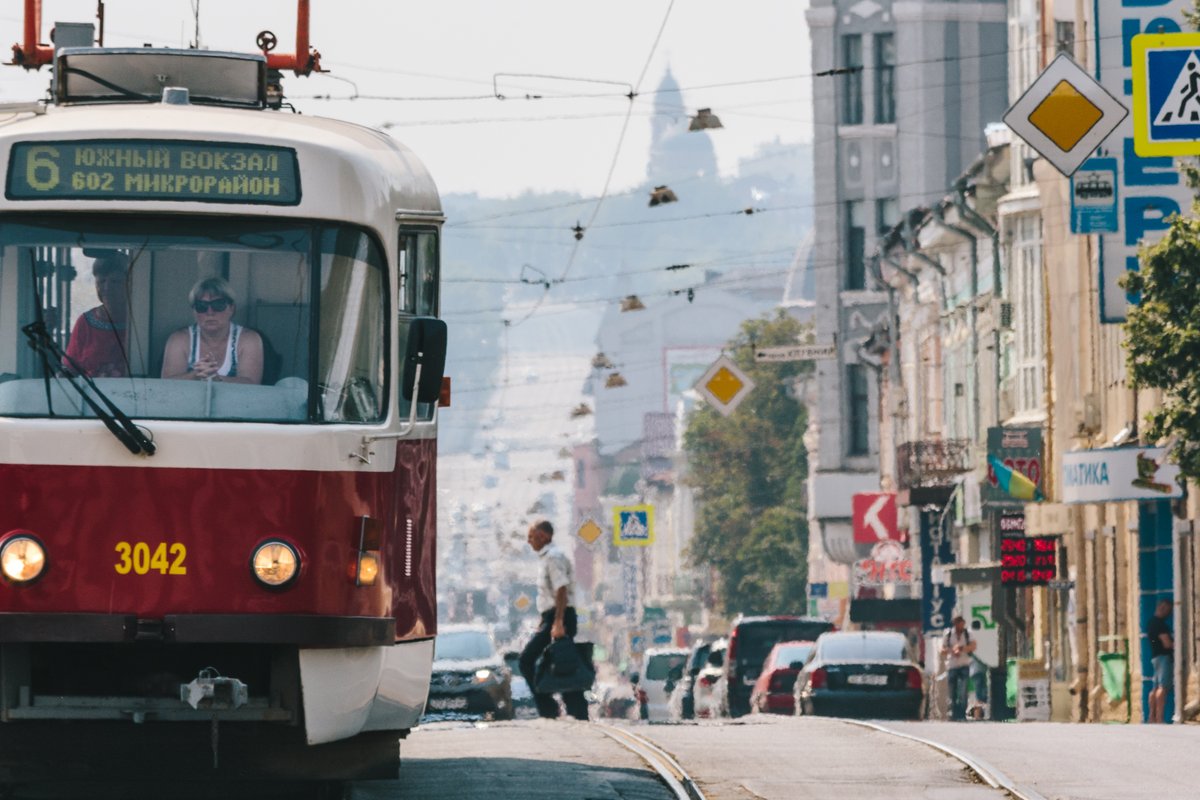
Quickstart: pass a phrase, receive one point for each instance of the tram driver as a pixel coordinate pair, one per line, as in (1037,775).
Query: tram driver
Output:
(98,341)
(214,346)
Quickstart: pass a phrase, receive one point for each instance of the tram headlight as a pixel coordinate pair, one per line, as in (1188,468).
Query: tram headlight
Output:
(368,568)
(275,564)
(22,558)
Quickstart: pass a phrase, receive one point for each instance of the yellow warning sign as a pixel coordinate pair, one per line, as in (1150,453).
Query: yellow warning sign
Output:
(724,385)
(522,603)
(590,532)
(1065,116)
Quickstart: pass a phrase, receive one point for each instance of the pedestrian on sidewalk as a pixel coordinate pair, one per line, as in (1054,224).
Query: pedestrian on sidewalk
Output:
(956,649)
(556,604)
(1162,656)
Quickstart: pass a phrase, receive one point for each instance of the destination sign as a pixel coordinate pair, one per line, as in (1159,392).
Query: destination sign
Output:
(1028,560)
(140,169)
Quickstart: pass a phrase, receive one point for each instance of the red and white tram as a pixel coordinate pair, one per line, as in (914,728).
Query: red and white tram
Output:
(208,572)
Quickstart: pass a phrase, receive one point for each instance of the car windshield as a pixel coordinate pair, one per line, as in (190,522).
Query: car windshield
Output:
(193,318)
(792,653)
(462,646)
(659,666)
(849,647)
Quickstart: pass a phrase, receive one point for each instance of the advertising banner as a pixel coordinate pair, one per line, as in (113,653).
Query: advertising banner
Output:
(1019,449)
(1119,473)
(1149,189)
(937,599)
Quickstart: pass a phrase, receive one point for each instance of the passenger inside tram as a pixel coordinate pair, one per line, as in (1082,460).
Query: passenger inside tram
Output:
(214,347)
(98,345)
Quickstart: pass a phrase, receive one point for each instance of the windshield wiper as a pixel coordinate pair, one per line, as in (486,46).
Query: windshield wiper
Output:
(116,420)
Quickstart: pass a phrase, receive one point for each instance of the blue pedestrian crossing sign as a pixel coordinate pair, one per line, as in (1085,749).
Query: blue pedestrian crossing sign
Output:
(1166,94)
(633,526)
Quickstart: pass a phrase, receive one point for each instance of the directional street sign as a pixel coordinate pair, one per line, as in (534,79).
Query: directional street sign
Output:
(874,517)
(1166,94)
(1065,114)
(724,385)
(796,352)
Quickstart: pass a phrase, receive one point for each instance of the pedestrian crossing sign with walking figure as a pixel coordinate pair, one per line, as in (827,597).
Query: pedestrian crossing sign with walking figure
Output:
(1166,94)
(633,526)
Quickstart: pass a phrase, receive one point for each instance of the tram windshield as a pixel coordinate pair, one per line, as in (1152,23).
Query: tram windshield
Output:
(193,318)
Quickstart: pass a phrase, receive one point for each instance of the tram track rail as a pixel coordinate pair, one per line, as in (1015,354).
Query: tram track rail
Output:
(981,769)
(672,774)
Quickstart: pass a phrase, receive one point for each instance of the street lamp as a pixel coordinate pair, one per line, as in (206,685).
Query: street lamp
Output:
(705,120)
(662,195)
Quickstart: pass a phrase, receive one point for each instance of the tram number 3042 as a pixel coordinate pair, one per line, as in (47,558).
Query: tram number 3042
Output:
(138,558)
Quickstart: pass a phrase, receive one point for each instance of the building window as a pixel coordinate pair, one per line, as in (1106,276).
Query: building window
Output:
(885,78)
(1064,37)
(1029,314)
(887,214)
(856,245)
(860,418)
(852,94)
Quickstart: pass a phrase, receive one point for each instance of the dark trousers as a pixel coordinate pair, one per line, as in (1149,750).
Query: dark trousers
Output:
(547,706)
(956,681)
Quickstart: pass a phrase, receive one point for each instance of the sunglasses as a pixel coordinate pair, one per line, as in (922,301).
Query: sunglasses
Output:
(202,306)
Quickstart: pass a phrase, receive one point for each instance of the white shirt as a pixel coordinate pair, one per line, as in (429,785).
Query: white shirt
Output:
(953,638)
(554,572)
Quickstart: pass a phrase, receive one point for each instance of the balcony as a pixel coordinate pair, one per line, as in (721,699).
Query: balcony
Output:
(932,463)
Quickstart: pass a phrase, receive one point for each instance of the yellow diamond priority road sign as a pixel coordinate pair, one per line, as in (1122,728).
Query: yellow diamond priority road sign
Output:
(589,531)
(1065,114)
(725,386)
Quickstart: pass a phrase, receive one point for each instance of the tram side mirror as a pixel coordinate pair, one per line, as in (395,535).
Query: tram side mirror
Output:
(427,347)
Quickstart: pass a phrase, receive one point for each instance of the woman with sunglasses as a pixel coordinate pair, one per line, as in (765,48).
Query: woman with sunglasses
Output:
(214,347)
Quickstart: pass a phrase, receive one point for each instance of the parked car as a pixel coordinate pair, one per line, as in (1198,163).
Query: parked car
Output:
(710,694)
(682,703)
(469,676)
(750,641)
(775,690)
(861,674)
(660,667)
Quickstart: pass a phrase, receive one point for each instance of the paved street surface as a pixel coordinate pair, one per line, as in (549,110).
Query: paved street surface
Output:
(1080,762)
(529,760)
(784,758)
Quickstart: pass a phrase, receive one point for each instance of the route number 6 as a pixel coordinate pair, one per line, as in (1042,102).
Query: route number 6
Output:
(41,170)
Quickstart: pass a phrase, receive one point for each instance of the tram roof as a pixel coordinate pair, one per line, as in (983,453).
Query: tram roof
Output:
(349,171)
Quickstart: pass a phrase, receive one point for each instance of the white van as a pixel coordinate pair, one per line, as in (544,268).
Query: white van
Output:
(661,666)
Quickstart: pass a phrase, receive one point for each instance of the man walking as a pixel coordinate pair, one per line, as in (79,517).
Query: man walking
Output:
(556,604)
(1162,656)
(956,649)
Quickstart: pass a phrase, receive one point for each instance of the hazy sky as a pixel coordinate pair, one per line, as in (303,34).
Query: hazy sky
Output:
(454,48)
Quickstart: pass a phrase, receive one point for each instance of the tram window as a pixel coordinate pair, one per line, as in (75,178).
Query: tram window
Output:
(324,354)
(353,328)
(418,269)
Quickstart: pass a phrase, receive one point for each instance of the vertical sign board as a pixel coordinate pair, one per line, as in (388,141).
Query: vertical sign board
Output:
(1150,189)
(1019,449)
(937,600)
(1094,197)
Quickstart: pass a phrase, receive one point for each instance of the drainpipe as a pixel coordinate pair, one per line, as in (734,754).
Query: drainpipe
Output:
(972,314)
(980,222)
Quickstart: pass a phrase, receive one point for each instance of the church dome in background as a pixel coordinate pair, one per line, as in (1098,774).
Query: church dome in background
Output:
(676,152)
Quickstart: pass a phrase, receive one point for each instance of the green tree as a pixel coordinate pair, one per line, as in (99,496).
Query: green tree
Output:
(749,470)
(1162,337)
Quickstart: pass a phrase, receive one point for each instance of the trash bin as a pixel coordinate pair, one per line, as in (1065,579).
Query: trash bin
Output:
(1112,673)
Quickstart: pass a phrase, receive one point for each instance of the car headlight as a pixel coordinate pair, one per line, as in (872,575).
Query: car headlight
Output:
(22,558)
(275,564)
(483,675)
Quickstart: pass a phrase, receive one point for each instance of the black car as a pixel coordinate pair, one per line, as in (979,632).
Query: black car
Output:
(861,674)
(469,676)
(750,642)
